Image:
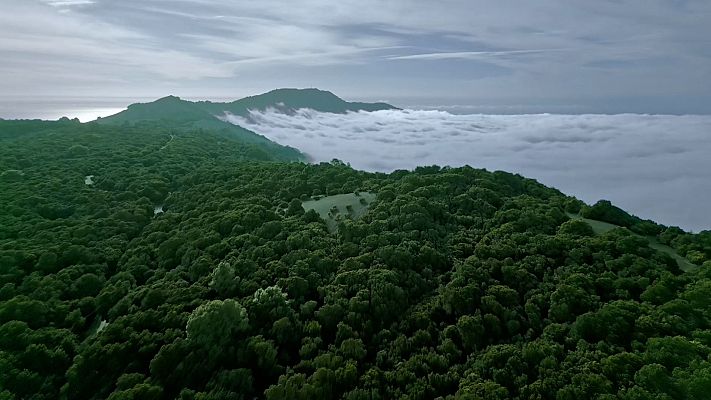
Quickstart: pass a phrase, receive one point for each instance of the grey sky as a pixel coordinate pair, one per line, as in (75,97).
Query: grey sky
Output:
(544,55)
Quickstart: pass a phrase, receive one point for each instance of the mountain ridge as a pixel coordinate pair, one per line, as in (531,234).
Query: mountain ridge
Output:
(285,100)
(179,114)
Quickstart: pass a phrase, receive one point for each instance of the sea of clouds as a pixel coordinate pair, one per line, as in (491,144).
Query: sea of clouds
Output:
(655,166)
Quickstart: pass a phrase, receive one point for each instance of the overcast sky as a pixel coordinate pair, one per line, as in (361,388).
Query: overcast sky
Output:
(544,55)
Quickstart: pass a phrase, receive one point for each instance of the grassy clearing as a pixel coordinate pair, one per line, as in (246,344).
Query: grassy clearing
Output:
(600,227)
(97,326)
(684,264)
(340,206)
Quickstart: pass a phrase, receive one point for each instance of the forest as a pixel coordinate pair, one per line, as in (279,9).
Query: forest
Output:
(148,262)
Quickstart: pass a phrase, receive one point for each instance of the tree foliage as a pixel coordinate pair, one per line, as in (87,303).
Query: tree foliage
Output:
(457,282)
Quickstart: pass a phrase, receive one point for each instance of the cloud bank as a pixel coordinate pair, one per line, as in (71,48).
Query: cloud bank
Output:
(655,166)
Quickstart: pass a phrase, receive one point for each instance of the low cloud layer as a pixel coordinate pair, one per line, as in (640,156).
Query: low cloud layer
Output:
(655,166)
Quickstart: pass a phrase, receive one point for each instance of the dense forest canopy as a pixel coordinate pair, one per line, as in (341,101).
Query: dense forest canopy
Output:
(187,268)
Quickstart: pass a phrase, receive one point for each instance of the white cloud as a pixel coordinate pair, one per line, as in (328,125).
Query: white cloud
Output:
(66,3)
(655,166)
(469,55)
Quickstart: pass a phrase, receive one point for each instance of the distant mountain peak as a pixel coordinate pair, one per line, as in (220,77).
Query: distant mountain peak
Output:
(169,98)
(287,100)
(167,101)
(297,91)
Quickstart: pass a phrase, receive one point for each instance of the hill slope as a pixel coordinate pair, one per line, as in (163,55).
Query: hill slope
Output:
(170,109)
(176,113)
(180,115)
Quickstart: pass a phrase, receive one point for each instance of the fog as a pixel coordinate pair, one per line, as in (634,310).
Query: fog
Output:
(655,166)
(52,108)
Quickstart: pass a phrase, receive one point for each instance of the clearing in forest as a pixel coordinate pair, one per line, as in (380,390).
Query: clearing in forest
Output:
(600,227)
(340,206)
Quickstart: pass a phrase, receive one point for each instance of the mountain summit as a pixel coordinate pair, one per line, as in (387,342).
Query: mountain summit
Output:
(175,109)
(170,108)
(292,99)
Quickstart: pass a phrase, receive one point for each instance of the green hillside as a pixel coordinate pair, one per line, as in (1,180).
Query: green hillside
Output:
(185,116)
(174,110)
(450,283)
(179,114)
(170,109)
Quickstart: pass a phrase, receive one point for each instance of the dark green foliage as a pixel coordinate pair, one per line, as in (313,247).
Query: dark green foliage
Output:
(576,227)
(457,282)
(604,211)
(696,248)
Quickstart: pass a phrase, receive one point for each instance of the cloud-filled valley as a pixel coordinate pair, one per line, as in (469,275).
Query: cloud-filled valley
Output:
(655,166)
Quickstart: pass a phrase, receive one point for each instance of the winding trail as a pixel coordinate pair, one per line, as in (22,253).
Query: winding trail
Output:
(168,142)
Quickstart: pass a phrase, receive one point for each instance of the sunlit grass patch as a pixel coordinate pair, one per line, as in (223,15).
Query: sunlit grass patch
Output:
(340,206)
